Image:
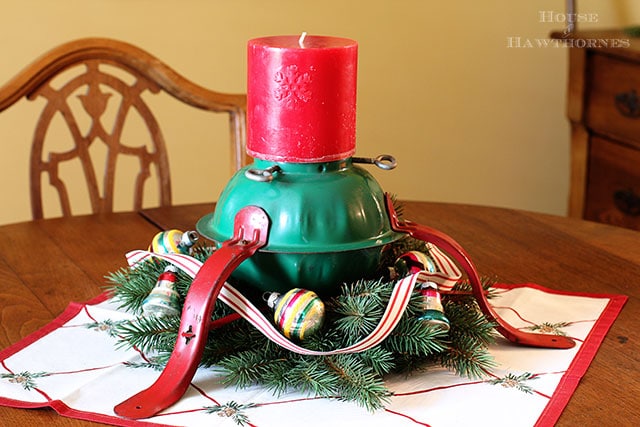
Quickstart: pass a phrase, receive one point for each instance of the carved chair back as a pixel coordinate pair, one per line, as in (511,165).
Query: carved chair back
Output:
(109,75)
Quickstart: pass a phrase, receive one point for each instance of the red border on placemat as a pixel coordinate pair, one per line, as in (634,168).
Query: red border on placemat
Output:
(559,400)
(69,313)
(72,310)
(581,362)
(62,409)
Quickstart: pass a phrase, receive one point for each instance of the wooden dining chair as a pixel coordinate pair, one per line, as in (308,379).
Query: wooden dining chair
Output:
(79,81)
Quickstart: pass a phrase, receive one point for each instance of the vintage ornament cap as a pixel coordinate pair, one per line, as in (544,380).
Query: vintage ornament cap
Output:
(173,242)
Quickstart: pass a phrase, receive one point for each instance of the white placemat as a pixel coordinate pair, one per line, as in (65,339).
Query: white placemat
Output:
(73,366)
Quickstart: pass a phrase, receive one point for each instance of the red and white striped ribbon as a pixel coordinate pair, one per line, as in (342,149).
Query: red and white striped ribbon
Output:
(448,272)
(233,298)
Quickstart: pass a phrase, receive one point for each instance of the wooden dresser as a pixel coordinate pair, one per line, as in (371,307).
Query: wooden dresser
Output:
(603,107)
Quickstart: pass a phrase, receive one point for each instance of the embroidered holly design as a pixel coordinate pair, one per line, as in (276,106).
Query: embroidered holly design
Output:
(107,326)
(550,328)
(25,379)
(231,410)
(515,381)
(293,86)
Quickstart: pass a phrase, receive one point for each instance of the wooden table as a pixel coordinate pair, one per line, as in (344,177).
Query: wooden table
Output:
(48,263)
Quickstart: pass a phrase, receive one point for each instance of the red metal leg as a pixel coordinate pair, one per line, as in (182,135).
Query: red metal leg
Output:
(447,244)
(250,233)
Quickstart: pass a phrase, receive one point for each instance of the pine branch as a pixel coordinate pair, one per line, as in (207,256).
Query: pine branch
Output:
(329,338)
(246,357)
(309,376)
(357,382)
(277,379)
(408,364)
(130,286)
(470,335)
(469,361)
(379,359)
(249,367)
(149,334)
(359,308)
(154,363)
(226,341)
(468,323)
(416,338)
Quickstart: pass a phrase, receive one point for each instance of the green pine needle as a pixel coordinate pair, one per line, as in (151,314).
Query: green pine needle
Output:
(357,381)
(473,362)
(469,324)
(309,376)
(247,368)
(245,357)
(416,338)
(130,286)
(155,363)
(379,359)
(149,334)
(360,307)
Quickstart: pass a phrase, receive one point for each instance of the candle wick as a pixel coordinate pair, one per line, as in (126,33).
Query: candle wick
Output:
(301,39)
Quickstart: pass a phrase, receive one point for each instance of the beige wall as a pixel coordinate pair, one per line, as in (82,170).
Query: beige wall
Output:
(469,119)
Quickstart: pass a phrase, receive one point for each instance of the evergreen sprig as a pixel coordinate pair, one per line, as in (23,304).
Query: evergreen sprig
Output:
(130,286)
(245,357)
(416,338)
(359,308)
(309,375)
(249,367)
(149,334)
(356,381)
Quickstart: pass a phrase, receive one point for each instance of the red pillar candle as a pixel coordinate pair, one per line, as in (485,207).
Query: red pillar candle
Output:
(301,98)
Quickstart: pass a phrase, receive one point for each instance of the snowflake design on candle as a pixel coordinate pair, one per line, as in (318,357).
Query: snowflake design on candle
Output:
(293,86)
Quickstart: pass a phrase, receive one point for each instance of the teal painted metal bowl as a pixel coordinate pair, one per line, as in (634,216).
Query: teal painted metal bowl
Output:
(328,224)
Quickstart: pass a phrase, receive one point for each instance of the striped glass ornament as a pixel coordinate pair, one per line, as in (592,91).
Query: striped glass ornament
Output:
(173,242)
(298,313)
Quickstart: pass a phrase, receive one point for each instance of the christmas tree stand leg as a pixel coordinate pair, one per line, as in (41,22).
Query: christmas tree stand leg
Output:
(447,244)
(251,228)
